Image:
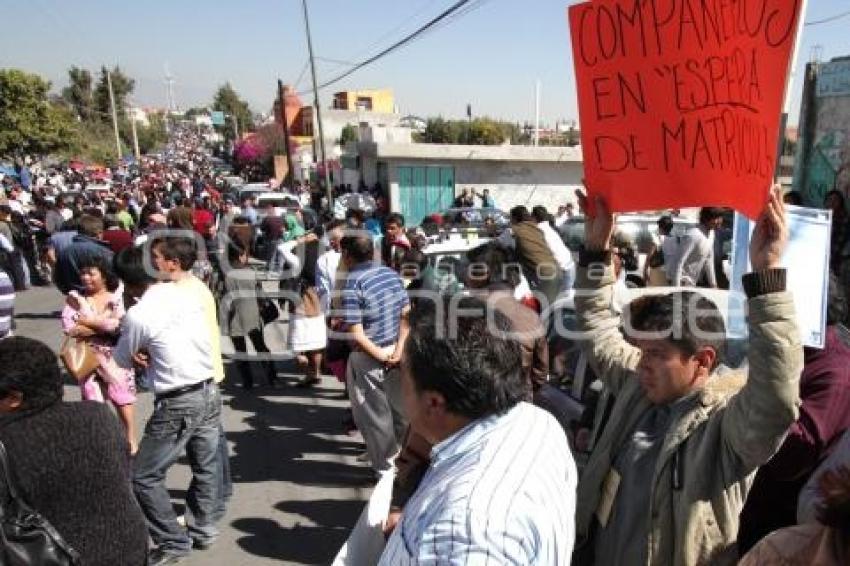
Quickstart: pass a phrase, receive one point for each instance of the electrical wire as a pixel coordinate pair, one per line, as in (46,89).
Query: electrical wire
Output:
(337,62)
(399,44)
(392,32)
(301,74)
(829,19)
(476,4)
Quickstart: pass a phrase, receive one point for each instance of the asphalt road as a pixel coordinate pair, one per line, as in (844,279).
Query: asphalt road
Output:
(298,487)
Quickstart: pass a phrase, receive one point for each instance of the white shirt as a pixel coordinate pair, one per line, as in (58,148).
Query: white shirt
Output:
(556,245)
(561,219)
(16,206)
(670,249)
(326,267)
(502,490)
(284,261)
(695,258)
(172,328)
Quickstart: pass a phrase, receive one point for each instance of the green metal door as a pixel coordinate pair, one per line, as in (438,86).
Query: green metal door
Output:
(424,191)
(433,194)
(405,189)
(447,187)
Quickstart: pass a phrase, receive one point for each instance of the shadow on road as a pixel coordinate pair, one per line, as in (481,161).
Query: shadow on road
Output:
(284,436)
(301,544)
(296,436)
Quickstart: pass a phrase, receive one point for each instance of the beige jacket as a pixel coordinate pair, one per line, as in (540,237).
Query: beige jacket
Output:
(802,545)
(715,448)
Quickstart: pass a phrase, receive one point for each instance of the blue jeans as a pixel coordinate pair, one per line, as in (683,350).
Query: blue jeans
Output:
(189,422)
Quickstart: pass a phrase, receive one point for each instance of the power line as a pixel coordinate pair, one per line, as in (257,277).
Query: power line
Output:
(302,73)
(466,10)
(335,61)
(397,45)
(829,19)
(397,28)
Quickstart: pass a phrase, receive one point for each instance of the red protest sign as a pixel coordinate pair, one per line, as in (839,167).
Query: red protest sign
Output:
(680,100)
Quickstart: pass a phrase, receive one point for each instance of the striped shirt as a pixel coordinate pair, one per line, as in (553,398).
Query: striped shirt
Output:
(7,304)
(500,491)
(374,296)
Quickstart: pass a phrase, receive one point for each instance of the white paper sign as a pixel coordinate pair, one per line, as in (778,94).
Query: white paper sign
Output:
(366,541)
(807,262)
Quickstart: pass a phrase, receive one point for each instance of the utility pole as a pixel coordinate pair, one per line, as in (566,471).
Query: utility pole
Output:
(469,124)
(114,113)
(287,180)
(327,175)
(537,114)
(169,95)
(136,151)
(789,86)
(235,128)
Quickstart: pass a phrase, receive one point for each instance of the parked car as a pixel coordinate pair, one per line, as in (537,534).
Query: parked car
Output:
(474,217)
(637,232)
(467,223)
(282,202)
(232,181)
(245,190)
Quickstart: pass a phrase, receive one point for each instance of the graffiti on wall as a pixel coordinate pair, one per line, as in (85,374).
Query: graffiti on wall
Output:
(828,164)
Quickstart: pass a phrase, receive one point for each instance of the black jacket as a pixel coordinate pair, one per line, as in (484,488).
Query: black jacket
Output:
(71,463)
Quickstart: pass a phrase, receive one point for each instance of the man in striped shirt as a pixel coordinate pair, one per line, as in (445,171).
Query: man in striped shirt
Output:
(374,310)
(7,304)
(501,483)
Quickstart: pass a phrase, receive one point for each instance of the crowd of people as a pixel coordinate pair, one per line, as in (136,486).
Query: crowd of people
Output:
(447,372)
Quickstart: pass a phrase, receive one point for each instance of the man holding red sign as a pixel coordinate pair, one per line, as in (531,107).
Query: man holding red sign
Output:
(674,463)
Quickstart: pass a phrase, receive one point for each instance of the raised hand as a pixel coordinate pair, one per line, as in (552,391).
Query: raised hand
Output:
(598,222)
(770,235)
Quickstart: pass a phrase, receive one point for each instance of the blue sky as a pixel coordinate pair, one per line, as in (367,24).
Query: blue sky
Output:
(490,57)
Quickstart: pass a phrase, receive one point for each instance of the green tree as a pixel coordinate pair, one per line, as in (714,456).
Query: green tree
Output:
(227,100)
(573,137)
(122,87)
(348,134)
(484,131)
(191,113)
(437,130)
(480,131)
(152,136)
(79,93)
(94,141)
(29,123)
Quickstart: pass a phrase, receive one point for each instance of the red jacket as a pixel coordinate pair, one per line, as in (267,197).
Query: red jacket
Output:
(118,239)
(202,221)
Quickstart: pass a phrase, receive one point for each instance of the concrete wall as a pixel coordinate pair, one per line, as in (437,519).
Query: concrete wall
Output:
(823,151)
(515,175)
(526,183)
(333,121)
(510,184)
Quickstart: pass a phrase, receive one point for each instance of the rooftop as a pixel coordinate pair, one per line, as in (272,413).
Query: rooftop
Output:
(471,152)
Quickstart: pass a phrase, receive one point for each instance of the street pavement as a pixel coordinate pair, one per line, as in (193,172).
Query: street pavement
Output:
(298,487)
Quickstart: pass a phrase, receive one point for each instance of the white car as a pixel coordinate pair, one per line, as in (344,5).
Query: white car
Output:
(282,203)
